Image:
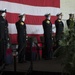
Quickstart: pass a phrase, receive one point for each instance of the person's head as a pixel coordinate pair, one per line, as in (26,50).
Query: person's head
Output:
(71,16)
(48,16)
(22,17)
(59,15)
(3,13)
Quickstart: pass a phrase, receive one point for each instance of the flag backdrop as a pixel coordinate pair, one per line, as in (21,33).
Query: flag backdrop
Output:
(34,10)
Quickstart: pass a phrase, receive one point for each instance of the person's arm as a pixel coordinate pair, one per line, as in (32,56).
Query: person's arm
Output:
(68,23)
(7,32)
(43,24)
(63,27)
(1,30)
(56,25)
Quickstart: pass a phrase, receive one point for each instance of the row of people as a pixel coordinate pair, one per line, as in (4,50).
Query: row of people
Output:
(47,26)
(21,30)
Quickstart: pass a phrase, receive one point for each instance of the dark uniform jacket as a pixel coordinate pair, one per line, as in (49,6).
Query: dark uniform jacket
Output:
(21,30)
(3,38)
(47,26)
(70,22)
(3,28)
(59,28)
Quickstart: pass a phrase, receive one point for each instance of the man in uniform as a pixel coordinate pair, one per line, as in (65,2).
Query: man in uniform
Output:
(47,27)
(3,35)
(59,29)
(21,30)
(70,21)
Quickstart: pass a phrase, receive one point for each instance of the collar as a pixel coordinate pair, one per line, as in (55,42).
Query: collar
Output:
(59,20)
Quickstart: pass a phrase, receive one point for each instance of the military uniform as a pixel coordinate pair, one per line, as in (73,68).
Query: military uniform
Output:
(3,38)
(59,31)
(47,26)
(70,22)
(21,37)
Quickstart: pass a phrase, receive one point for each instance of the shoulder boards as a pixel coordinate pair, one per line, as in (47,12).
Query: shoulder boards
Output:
(48,21)
(59,20)
(22,23)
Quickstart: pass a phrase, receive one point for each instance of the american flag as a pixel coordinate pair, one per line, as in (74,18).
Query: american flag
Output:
(34,10)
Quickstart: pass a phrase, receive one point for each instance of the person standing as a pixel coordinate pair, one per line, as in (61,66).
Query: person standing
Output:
(70,21)
(21,37)
(4,37)
(47,27)
(59,29)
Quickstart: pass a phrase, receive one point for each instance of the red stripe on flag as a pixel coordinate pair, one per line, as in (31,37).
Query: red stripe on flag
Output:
(56,3)
(13,37)
(46,3)
(34,20)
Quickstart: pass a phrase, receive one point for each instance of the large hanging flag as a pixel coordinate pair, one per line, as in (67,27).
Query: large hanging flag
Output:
(34,10)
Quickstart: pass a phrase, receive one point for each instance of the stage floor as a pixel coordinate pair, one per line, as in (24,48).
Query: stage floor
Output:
(53,65)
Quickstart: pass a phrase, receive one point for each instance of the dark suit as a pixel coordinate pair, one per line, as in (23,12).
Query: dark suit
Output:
(3,38)
(21,37)
(71,25)
(47,26)
(70,22)
(59,30)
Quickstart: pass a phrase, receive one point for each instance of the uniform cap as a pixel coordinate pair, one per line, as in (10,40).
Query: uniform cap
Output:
(59,14)
(2,11)
(21,14)
(71,14)
(46,15)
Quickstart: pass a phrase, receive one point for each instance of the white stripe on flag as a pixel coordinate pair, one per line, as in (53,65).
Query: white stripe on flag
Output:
(27,9)
(31,29)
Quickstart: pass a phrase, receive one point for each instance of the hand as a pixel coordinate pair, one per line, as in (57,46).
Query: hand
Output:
(26,36)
